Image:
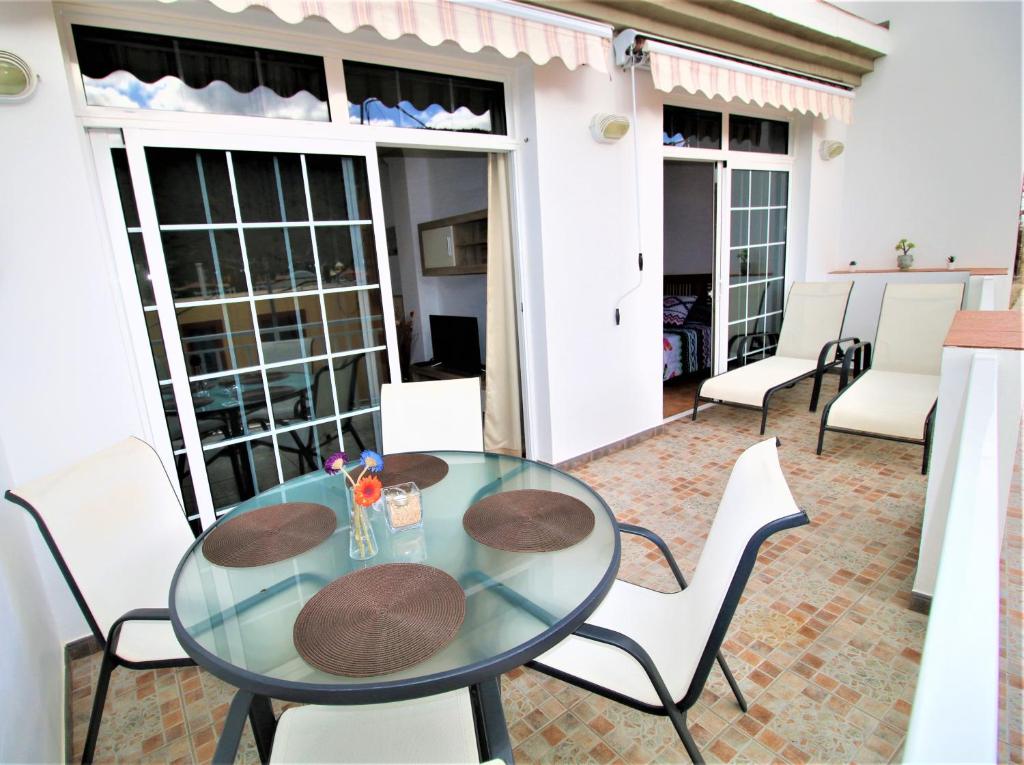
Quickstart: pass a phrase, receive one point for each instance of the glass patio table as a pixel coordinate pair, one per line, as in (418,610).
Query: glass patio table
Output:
(237,622)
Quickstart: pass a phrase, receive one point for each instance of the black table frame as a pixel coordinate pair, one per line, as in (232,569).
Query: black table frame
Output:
(256,690)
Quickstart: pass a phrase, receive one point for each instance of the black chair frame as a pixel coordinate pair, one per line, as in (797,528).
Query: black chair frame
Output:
(108,642)
(488,717)
(817,373)
(676,711)
(929,421)
(306,450)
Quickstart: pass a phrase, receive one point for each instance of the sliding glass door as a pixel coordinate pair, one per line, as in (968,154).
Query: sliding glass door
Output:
(758,219)
(256,262)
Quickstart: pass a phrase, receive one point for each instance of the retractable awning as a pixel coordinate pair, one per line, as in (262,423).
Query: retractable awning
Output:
(675,66)
(508,27)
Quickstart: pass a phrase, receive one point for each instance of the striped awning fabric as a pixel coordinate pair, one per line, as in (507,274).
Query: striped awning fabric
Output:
(508,27)
(693,71)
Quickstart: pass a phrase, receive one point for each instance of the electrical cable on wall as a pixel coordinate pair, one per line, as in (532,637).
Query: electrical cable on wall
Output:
(636,196)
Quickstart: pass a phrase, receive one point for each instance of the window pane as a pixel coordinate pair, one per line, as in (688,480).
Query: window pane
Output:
(361,432)
(280,260)
(759,180)
(757,262)
(348,255)
(204,264)
(338,188)
(345,319)
(137,70)
(756,134)
(269,187)
(740,230)
(385,95)
(305,449)
(692,128)
(290,328)
(190,186)
(217,338)
(737,302)
(758,227)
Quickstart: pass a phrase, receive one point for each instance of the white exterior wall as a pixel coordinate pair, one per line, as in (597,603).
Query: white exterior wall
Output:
(934,150)
(604,380)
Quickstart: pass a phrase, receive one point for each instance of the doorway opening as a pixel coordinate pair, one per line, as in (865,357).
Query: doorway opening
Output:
(689,265)
(447,221)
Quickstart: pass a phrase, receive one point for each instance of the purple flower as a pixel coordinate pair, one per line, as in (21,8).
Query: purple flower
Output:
(335,463)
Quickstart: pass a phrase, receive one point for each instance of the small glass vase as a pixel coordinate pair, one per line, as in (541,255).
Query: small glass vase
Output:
(362,544)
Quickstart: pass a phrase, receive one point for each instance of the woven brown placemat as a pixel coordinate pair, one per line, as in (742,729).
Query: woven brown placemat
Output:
(269,534)
(421,469)
(379,620)
(529,520)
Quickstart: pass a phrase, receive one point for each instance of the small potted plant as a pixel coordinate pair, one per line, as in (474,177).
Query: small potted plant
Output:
(950,261)
(853,265)
(904,260)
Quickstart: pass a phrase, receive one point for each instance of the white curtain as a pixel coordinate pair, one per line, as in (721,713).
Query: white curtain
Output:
(502,419)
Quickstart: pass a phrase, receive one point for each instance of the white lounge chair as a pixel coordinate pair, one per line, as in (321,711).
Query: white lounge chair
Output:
(653,651)
(425,416)
(811,327)
(894,398)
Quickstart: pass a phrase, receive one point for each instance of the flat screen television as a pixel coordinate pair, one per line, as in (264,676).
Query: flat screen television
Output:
(456,343)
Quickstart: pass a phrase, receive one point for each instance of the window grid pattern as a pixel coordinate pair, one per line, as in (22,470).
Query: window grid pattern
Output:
(757,260)
(239,361)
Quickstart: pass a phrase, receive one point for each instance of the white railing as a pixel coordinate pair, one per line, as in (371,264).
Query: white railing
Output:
(955,717)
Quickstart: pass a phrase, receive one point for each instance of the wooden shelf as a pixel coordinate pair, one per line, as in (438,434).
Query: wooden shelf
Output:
(454,246)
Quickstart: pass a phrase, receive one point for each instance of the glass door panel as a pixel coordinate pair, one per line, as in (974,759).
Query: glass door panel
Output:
(757,262)
(263,264)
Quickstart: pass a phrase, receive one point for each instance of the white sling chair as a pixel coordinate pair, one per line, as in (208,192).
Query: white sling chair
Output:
(653,651)
(811,328)
(117,532)
(431,416)
(894,398)
(454,728)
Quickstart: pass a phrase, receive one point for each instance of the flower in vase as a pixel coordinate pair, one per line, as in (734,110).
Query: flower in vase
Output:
(371,461)
(367,490)
(335,463)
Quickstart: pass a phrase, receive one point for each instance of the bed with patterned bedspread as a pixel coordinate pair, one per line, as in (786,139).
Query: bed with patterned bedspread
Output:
(686,338)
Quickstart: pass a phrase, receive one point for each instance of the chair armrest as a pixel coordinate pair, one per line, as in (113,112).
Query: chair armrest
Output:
(135,615)
(852,357)
(634,649)
(839,353)
(649,535)
(744,341)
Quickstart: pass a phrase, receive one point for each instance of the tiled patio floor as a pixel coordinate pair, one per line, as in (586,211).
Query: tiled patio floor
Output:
(823,644)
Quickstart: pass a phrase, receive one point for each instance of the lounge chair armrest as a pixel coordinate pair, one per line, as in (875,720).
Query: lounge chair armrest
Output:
(649,535)
(823,356)
(744,341)
(852,357)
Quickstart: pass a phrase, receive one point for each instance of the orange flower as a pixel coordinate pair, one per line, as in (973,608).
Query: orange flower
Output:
(367,490)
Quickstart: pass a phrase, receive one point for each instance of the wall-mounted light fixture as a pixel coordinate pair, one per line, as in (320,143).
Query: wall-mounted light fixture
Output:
(608,128)
(831,149)
(17,80)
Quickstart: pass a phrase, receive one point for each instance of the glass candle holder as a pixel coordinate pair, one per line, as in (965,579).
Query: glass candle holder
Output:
(402,507)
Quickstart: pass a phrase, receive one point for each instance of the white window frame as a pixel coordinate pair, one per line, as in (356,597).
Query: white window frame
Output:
(205,23)
(733,160)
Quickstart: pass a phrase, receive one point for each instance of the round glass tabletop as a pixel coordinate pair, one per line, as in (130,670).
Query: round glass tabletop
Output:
(237,622)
